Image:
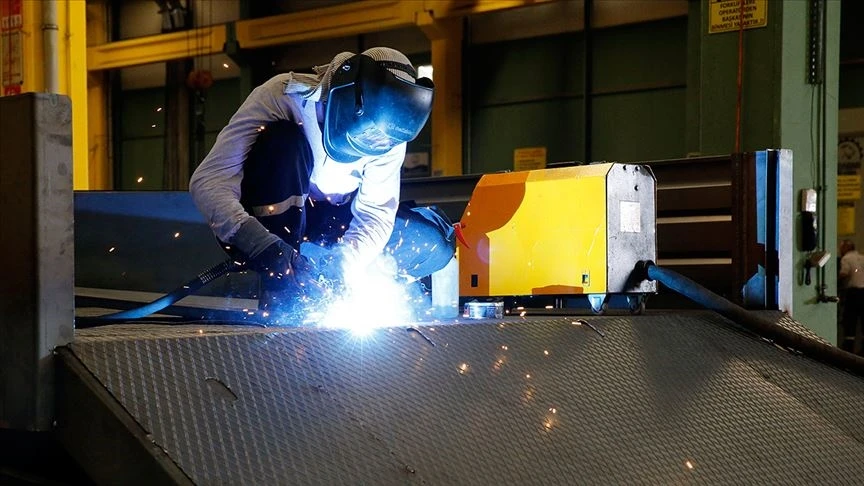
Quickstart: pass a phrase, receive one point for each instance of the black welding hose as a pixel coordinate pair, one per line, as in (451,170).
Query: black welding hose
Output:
(760,325)
(157,305)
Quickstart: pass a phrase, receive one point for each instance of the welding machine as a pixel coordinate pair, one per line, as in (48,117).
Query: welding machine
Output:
(569,231)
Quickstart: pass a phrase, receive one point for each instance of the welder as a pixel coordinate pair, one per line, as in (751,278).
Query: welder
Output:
(304,180)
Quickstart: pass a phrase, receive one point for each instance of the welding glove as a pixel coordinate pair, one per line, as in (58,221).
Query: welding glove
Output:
(279,265)
(327,262)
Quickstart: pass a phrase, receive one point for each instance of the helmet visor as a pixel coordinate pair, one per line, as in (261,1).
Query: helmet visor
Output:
(370,110)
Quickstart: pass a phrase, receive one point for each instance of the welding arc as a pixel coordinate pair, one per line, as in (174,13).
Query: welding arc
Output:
(754,322)
(170,298)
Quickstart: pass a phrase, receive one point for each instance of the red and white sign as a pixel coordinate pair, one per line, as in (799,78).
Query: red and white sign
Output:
(11,48)
(10,15)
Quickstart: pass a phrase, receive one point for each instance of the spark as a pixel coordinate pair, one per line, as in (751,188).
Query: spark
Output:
(372,299)
(463,368)
(546,352)
(177,235)
(111,250)
(528,376)
(140,179)
(225,65)
(522,314)
(504,347)
(688,464)
(159,109)
(312,202)
(153,126)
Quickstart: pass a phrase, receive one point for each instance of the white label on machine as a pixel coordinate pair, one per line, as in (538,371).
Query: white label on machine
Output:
(630,213)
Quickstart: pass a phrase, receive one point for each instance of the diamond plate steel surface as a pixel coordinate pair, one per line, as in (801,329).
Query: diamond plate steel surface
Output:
(661,399)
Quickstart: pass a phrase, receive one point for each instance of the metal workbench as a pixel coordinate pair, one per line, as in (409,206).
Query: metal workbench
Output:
(665,398)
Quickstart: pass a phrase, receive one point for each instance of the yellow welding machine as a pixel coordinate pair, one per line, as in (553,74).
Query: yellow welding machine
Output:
(562,231)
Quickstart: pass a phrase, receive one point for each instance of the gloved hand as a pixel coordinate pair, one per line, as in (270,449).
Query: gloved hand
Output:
(327,262)
(280,266)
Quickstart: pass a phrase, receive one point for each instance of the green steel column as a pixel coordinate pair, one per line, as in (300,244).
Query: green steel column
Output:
(780,109)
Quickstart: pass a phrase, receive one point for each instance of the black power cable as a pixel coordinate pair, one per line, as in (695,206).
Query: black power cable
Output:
(762,326)
(157,305)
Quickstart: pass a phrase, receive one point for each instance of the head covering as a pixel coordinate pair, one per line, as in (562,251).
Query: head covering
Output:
(316,87)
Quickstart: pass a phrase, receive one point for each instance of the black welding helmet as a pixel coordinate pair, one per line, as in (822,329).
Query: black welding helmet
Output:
(370,109)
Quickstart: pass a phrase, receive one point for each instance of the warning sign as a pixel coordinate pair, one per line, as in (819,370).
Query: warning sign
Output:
(10,15)
(848,187)
(11,60)
(725,15)
(529,158)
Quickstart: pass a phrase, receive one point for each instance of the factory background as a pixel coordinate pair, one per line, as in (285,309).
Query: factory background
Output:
(155,82)
(521,84)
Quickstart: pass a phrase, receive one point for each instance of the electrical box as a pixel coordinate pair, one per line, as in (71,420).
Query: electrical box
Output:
(563,231)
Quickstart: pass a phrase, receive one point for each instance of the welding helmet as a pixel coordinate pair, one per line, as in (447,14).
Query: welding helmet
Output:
(369,109)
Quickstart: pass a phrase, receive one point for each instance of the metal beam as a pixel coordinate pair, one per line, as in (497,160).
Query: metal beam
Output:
(71,26)
(157,48)
(349,19)
(459,8)
(446,39)
(73,49)
(326,23)
(98,144)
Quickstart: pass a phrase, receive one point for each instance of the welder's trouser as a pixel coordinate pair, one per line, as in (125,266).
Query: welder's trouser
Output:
(275,178)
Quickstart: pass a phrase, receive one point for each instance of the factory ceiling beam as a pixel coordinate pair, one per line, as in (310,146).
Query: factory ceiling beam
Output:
(157,48)
(343,20)
(440,20)
(460,8)
(349,19)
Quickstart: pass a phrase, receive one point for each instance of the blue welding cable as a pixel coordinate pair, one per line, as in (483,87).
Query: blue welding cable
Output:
(752,321)
(168,299)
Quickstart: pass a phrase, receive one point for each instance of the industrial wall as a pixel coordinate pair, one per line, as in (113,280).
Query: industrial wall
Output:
(850,214)
(523,87)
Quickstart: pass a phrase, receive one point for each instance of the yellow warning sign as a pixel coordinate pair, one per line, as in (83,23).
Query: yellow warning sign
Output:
(848,187)
(725,15)
(846,220)
(529,158)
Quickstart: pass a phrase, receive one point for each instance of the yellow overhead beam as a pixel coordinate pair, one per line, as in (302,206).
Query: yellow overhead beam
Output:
(361,17)
(157,48)
(326,23)
(441,9)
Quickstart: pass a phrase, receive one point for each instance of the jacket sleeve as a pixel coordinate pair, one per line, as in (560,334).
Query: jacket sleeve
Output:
(215,184)
(374,207)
